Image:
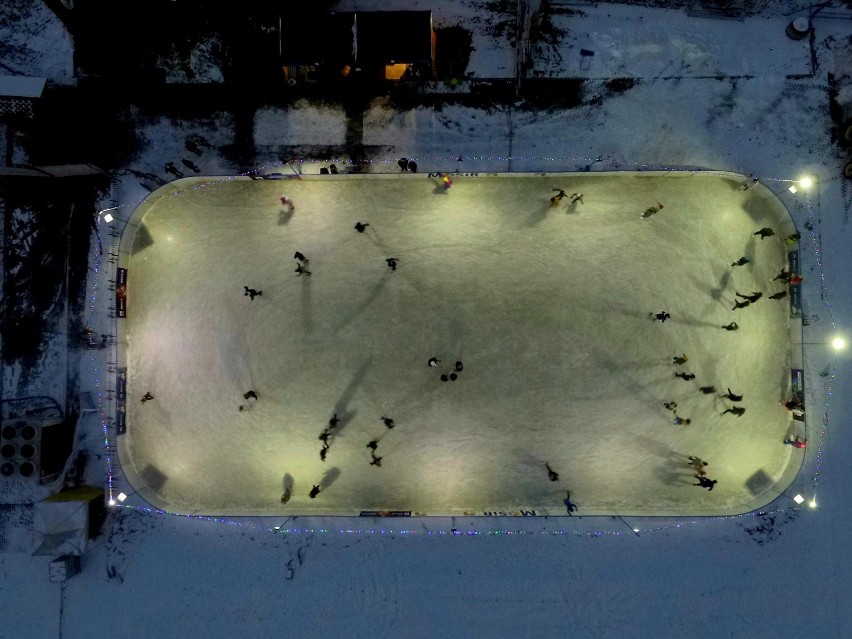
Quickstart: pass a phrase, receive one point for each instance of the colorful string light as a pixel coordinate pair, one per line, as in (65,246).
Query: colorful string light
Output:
(414,532)
(827,301)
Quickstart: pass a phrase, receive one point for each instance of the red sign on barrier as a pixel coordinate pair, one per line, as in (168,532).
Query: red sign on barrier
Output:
(121,293)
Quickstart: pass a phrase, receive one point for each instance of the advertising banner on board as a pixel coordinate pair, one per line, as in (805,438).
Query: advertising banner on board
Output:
(121,292)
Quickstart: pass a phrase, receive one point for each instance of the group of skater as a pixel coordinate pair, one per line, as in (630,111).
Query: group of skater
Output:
(327,437)
(552,475)
(741,301)
(560,195)
(785,276)
(450,376)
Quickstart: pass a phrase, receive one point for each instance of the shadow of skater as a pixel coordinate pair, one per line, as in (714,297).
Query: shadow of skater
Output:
(329,477)
(552,475)
(288,488)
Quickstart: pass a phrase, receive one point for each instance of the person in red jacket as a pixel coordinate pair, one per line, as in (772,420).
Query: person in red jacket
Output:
(797,442)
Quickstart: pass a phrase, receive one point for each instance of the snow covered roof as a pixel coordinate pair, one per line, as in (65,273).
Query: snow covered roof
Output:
(323,39)
(20,86)
(368,37)
(62,521)
(388,37)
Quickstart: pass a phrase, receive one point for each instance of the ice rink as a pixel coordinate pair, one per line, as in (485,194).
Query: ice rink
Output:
(546,306)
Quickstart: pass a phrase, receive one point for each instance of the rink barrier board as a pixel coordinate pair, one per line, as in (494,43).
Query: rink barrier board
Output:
(135,218)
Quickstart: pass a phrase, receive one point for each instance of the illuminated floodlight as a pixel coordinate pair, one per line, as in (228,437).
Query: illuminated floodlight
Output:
(838,343)
(636,530)
(108,218)
(798,499)
(122,497)
(812,503)
(806,182)
(793,188)
(111,502)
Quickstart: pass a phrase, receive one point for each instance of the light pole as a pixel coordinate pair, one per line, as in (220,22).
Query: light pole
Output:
(120,498)
(836,343)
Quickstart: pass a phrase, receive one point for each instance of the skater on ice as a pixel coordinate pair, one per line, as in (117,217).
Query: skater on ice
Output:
(301,270)
(147,397)
(391,262)
(576,197)
(571,507)
(252,293)
(755,295)
(433,361)
(784,276)
(651,211)
(742,304)
(708,390)
(250,395)
(680,421)
(333,421)
(741,262)
(377,462)
(662,316)
(698,464)
(314,492)
(680,360)
(792,239)
(552,475)
(685,376)
(323,453)
(672,406)
(792,404)
(360,227)
(730,395)
(446,181)
(556,199)
(736,410)
(731,327)
(459,367)
(388,422)
(403,164)
(796,442)
(704,482)
(749,184)
(445,378)
(286,201)
(373,445)
(778,296)
(453,377)
(300,257)
(764,232)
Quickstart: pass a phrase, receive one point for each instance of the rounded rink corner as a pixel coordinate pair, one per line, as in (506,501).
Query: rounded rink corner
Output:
(546,302)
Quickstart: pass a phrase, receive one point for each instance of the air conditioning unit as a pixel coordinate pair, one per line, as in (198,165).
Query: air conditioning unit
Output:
(20,447)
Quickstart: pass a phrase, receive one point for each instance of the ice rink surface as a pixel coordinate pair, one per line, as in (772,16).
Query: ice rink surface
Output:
(546,306)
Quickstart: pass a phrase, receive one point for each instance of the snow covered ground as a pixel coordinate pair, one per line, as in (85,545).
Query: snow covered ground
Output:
(780,574)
